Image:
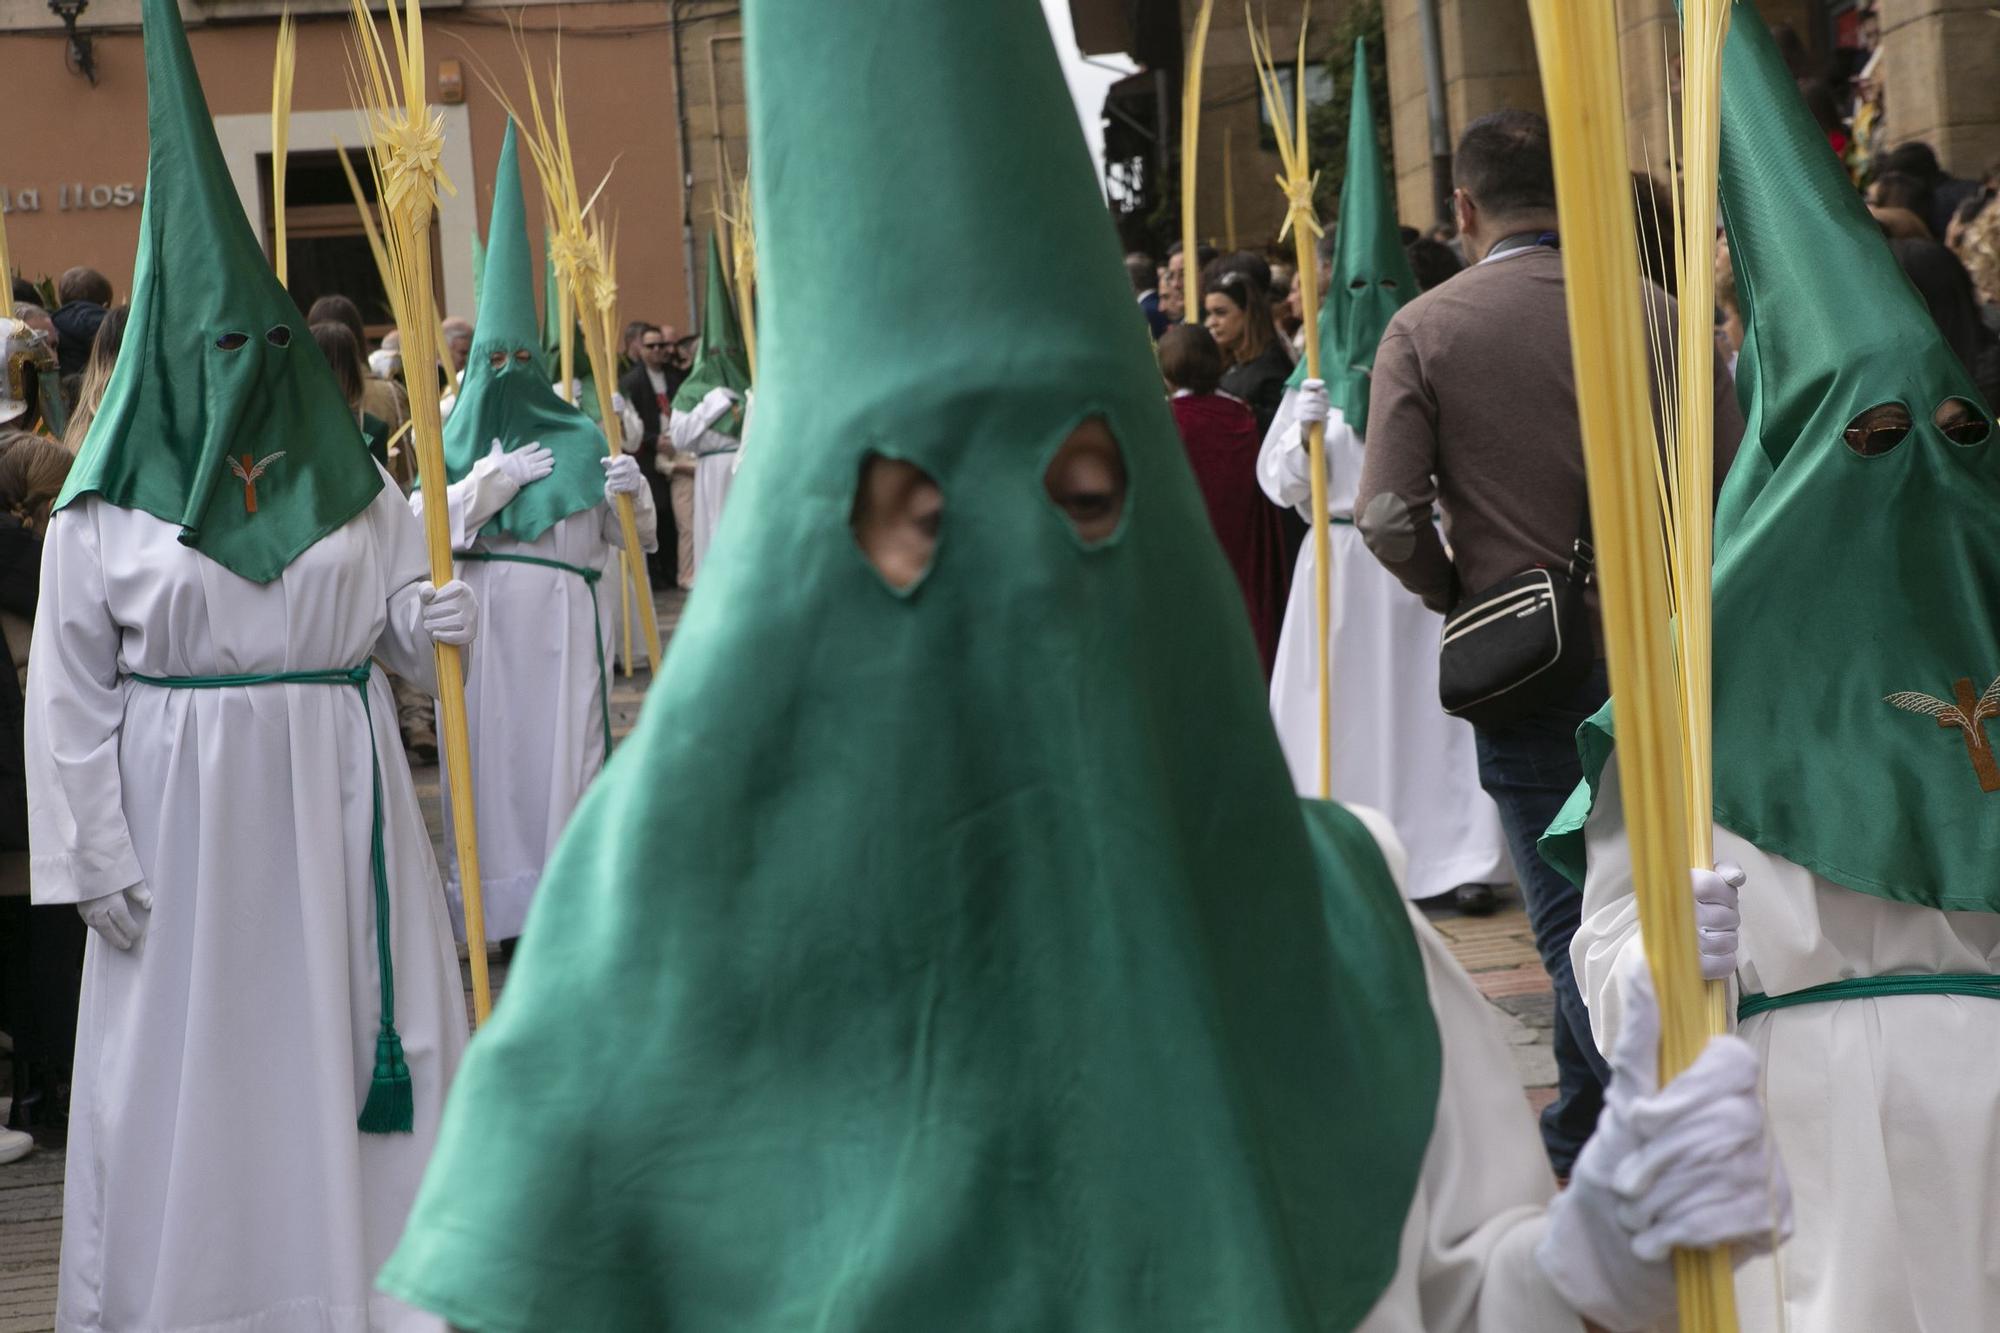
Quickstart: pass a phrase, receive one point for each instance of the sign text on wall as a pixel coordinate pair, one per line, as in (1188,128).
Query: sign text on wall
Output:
(68,198)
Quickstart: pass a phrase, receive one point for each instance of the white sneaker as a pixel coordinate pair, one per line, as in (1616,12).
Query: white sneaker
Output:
(14,1145)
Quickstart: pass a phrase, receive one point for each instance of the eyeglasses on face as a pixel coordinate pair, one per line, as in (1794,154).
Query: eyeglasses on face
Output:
(656,347)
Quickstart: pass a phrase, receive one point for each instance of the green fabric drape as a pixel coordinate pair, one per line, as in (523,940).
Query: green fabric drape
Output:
(1370,278)
(964,961)
(221,416)
(719,361)
(511,401)
(1857,635)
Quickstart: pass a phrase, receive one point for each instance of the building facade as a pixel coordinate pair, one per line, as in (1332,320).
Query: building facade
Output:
(654,91)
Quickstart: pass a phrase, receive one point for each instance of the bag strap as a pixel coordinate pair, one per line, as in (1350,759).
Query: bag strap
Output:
(1583,554)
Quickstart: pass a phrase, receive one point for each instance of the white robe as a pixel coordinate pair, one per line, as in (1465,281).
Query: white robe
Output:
(1467,1259)
(1886,1112)
(217,1180)
(1394,748)
(715,466)
(534,695)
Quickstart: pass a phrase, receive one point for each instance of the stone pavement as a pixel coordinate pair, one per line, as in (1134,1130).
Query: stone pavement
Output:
(1498,950)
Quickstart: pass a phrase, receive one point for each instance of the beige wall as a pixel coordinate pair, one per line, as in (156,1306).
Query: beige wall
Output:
(1231,115)
(1489,63)
(618,62)
(1941,66)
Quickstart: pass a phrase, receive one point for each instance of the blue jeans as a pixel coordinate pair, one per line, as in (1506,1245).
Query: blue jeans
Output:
(1529,769)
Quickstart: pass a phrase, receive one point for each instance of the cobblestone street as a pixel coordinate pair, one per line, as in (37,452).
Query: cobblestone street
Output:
(1498,951)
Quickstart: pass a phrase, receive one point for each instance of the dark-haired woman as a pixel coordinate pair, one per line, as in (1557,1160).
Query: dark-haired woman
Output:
(1237,314)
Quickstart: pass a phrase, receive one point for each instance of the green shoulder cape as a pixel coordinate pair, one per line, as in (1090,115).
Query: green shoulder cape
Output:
(505,394)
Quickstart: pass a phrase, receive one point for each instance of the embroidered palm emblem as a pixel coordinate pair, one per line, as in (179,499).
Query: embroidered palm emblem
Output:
(247,472)
(1970,715)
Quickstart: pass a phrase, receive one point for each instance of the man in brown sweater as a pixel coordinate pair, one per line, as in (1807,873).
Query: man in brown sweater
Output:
(1474,412)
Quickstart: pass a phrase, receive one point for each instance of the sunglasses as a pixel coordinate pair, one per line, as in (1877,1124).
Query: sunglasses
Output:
(656,347)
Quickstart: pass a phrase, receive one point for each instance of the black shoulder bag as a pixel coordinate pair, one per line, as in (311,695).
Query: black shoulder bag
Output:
(1520,645)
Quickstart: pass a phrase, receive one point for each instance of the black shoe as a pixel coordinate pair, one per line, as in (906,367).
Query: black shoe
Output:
(1475,900)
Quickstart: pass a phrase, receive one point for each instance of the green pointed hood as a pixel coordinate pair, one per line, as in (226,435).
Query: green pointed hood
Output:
(1857,631)
(964,960)
(719,361)
(1370,278)
(1852,594)
(221,416)
(505,393)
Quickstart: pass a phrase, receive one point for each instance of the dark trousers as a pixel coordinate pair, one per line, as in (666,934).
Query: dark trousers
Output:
(1529,768)
(662,565)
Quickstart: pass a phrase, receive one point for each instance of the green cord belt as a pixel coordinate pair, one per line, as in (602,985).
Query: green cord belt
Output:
(390,1108)
(1980,984)
(590,578)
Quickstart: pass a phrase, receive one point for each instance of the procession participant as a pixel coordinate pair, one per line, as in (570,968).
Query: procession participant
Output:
(534,523)
(1857,803)
(1221,438)
(1394,748)
(709,409)
(271,1006)
(965,961)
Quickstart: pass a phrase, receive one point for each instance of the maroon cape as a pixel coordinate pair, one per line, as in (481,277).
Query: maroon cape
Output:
(1222,443)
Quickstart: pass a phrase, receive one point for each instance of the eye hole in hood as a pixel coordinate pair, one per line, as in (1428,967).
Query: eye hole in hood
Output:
(1086,481)
(1962,422)
(897,515)
(1878,430)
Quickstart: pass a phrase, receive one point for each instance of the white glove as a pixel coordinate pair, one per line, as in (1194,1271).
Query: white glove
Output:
(1685,1166)
(450,613)
(1311,405)
(525,465)
(622,476)
(1716,920)
(618,404)
(112,915)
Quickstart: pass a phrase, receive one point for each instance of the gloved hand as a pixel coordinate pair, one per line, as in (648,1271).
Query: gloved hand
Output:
(622,476)
(618,403)
(112,915)
(1688,1165)
(450,613)
(1716,920)
(1311,404)
(525,465)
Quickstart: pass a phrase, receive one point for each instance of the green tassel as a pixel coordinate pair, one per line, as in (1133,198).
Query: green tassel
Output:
(391,1107)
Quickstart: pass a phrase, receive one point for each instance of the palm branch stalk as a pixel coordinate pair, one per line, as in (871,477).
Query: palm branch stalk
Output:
(406,142)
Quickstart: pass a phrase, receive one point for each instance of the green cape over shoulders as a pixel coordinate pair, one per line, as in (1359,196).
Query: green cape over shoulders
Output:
(221,416)
(1857,631)
(512,401)
(964,961)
